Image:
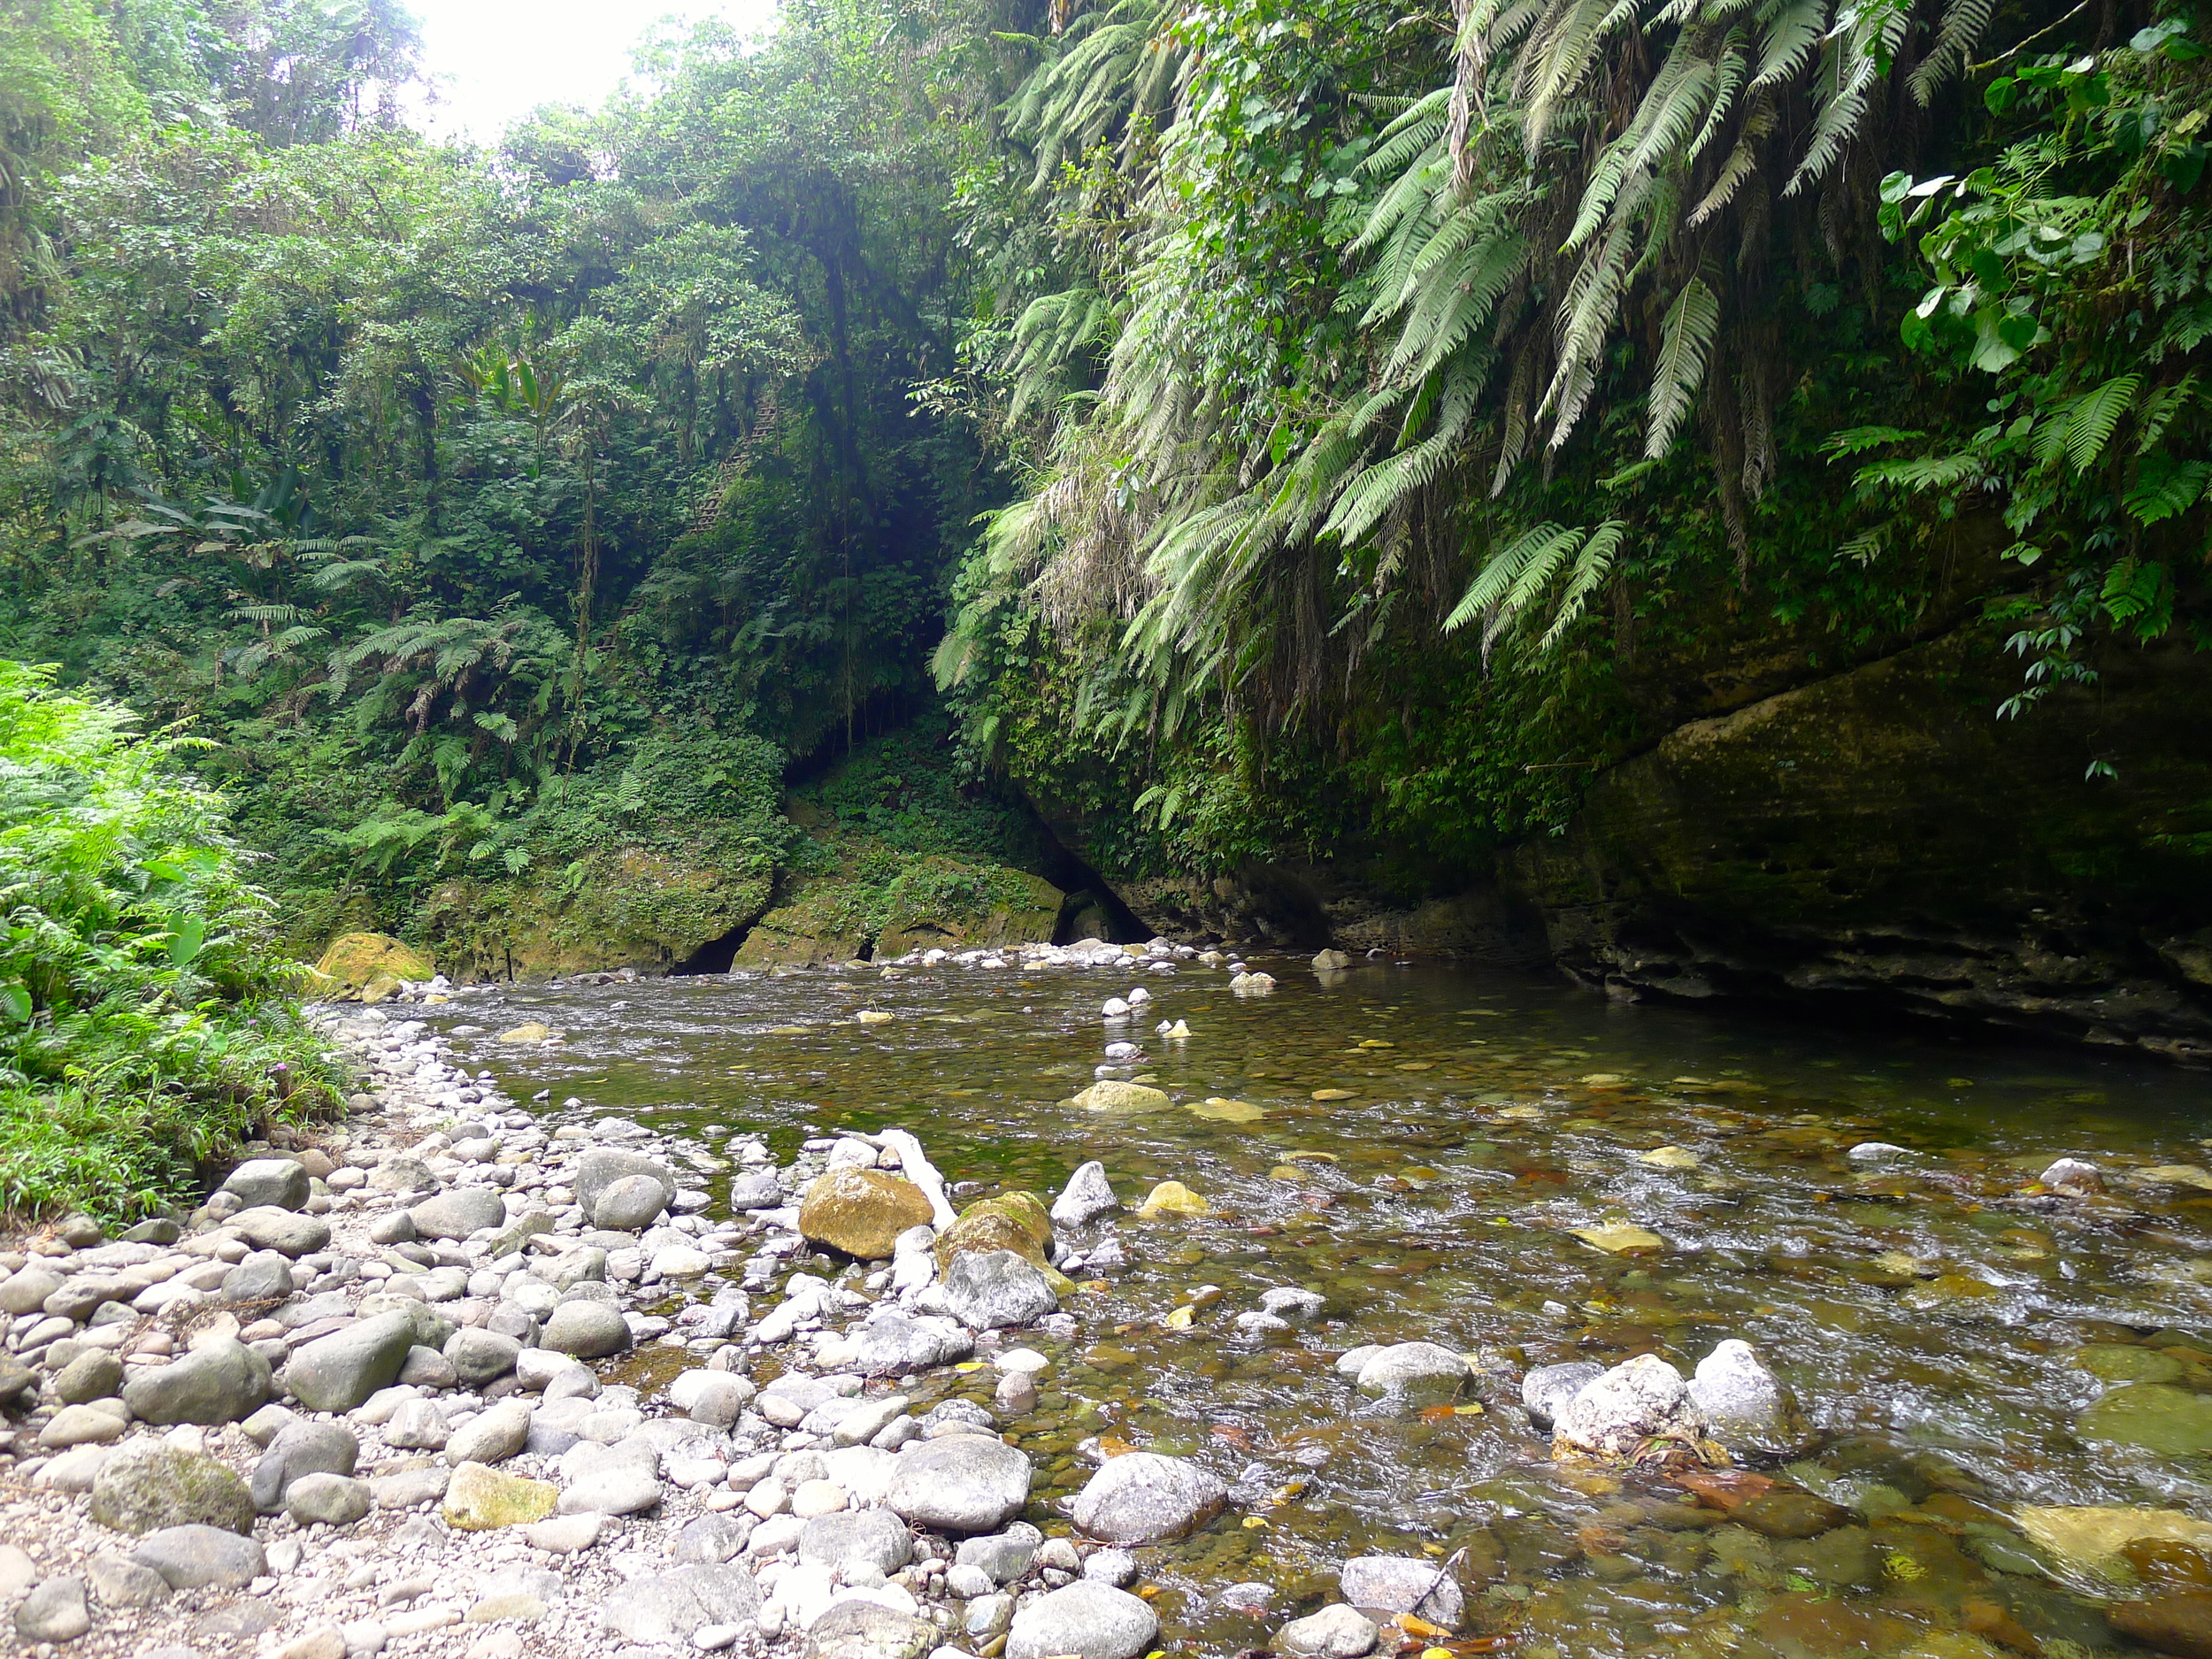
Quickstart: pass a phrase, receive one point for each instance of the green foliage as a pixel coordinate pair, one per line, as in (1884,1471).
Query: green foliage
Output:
(146,1020)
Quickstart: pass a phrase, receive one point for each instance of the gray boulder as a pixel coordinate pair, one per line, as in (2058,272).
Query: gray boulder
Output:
(1087,1196)
(601,1167)
(867,1629)
(338,1372)
(219,1381)
(264,1276)
(1087,1618)
(492,1436)
(1401,1584)
(120,1582)
(1001,1556)
(668,1607)
(149,1486)
(457,1212)
(1421,1369)
(1143,1498)
(759,1190)
(1746,1405)
(268,1228)
(891,1339)
(1292,1303)
(707,1539)
(630,1203)
(1630,1403)
(588,1329)
(95,1374)
(871,1537)
(478,1355)
(332,1500)
(1336,1631)
(991,1290)
(302,1448)
(964,1483)
(198,1557)
(281,1183)
(1546,1390)
(54,1611)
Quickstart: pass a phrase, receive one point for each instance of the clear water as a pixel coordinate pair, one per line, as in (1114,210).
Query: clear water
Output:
(1932,1314)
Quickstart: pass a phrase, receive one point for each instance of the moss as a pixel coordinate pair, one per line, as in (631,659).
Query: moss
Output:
(354,962)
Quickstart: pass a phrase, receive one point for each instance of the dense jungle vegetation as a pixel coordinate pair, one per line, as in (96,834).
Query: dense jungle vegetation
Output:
(1237,426)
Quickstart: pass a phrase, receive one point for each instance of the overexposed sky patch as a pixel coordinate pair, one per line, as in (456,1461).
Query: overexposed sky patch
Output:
(495,61)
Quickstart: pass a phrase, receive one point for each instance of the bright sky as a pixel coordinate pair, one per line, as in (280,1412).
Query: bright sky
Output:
(495,61)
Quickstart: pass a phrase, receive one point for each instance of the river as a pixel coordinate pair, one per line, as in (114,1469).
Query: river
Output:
(1420,1144)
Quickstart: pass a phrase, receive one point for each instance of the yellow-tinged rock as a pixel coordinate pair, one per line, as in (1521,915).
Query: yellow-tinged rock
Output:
(874,1016)
(1417,1066)
(1603,1080)
(862,1212)
(1311,1157)
(1521,1114)
(2178,1175)
(352,960)
(1334,1093)
(380,989)
(478,1499)
(530,1030)
(2091,1539)
(1172,1198)
(1180,1319)
(1227,1111)
(1620,1237)
(1669,1158)
(1111,1095)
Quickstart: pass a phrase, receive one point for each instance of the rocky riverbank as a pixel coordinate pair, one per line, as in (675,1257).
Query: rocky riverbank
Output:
(467,1380)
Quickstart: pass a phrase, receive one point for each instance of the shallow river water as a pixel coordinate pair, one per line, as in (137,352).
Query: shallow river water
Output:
(1418,1144)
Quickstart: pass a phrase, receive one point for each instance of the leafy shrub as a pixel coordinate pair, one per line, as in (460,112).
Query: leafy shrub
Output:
(146,1022)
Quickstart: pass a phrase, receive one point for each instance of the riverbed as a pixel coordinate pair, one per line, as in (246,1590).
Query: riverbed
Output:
(1446,1156)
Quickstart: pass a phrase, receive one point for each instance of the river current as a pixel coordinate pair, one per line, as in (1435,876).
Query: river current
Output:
(1423,1146)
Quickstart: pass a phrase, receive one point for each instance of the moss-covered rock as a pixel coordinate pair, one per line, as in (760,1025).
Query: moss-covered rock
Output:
(862,1212)
(355,963)
(826,922)
(165,1485)
(1012,1221)
(478,1499)
(633,908)
(958,912)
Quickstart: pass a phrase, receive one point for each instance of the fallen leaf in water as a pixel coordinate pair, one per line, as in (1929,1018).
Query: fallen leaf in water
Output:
(1603,1079)
(1669,1158)
(1417,1066)
(1726,1490)
(1333,1094)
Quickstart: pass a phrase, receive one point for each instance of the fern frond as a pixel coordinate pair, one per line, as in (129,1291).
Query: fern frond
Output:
(2094,418)
(1963,25)
(1685,340)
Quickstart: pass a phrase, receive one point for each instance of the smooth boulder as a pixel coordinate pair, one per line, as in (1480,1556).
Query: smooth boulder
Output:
(302,1448)
(198,1557)
(1635,1402)
(991,1292)
(1144,1498)
(1086,1618)
(458,1211)
(281,1183)
(220,1381)
(338,1371)
(963,1482)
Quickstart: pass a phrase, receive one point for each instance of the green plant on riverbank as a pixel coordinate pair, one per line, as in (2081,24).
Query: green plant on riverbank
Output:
(146,1020)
